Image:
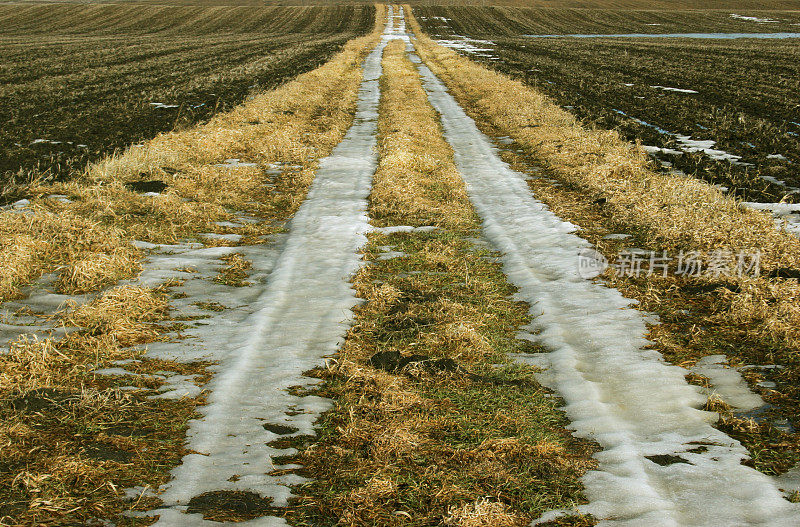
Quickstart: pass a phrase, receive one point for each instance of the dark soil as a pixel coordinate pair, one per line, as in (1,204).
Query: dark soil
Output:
(748,98)
(79,90)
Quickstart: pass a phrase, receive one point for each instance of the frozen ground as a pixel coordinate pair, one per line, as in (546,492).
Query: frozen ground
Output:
(662,463)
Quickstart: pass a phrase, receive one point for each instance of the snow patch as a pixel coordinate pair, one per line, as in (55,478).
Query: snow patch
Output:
(652,150)
(471,46)
(162,106)
(753,19)
(404,229)
(28,316)
(687,144)
(727,383)
(678,90)
(785,215)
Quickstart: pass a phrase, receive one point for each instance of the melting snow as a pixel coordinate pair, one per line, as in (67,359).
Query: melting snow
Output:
(230,224)
(472,46)
(161,105)
(403,228)
(652,150)
(786,215)
(28,315)
(727,383)
(707,147)
(687,144)
(679,90)
(617,392)
(60,198)
(752,18)
(296,313)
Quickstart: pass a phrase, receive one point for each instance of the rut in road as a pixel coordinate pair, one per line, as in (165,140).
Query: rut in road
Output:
(617,393)
(300,317)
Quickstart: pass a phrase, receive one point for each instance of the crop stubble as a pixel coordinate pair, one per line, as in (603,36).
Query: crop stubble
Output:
(78,82)
(748,100)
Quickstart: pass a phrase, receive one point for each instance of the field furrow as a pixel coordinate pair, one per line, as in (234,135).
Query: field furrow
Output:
(723,110)
(80,82)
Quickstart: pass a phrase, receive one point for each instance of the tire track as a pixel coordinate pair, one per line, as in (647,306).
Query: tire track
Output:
(300,317)
(663,464)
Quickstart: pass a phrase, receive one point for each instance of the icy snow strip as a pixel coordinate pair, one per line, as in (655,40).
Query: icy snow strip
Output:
(678,90)
(753,19)
(616,392)
(301,317)
(473,46)
(688,144)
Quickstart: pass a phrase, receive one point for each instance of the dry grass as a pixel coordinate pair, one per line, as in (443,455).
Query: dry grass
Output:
(124,314)
(424,445)
(483,513)
(416,178)
(235,271)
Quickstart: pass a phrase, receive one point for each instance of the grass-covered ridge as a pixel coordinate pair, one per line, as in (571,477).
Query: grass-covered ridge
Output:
(432,422)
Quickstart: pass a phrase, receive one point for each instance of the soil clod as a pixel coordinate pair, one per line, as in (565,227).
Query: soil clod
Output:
(666,459)
(153,185)
(280,429)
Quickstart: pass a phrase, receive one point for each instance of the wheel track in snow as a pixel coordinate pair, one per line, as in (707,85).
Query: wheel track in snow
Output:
(616,392)
(300,317)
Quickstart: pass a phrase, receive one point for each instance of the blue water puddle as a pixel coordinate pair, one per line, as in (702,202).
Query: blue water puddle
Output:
(717,36)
